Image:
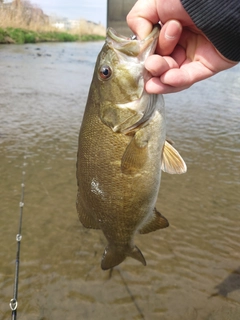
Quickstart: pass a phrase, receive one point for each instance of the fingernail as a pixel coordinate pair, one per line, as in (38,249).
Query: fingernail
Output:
(172,30)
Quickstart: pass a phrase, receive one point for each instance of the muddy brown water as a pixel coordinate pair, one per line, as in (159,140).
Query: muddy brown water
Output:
(193,267)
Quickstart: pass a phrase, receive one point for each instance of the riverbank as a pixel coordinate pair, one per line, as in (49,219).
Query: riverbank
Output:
(20,36)
(23,22)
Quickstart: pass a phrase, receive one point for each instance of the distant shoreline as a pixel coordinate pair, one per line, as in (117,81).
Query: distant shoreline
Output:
(23,22)
(12,35)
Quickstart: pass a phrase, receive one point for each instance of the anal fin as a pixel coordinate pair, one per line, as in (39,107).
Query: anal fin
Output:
(157,221)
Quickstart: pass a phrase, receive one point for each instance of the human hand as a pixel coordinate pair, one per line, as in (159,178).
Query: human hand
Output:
(183,54)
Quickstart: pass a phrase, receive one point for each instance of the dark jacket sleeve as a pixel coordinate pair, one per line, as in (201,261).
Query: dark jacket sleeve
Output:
(219,20)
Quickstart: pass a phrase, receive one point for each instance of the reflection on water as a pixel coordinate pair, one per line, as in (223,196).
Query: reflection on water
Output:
(43,93)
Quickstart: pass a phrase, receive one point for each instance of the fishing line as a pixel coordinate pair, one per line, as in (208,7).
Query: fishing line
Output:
(130,293)
(13,302)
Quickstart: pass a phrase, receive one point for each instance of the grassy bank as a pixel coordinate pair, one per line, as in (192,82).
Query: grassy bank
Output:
(23,22)
(20,36)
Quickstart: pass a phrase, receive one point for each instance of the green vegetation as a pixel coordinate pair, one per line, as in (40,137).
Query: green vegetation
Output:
(20,36)
(91,37)
(3,35)
(23,22)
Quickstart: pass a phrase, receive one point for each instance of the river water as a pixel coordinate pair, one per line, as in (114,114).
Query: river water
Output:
(193,267)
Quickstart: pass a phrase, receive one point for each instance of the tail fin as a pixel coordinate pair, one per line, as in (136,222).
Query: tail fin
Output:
(113,257)
(137,254)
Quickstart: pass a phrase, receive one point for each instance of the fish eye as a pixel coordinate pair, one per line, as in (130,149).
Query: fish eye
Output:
(105,72)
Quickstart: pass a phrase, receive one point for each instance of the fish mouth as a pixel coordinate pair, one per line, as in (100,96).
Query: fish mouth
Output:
(134,47)
(132,53)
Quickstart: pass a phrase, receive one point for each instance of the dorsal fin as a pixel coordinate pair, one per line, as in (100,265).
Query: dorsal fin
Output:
(172,162)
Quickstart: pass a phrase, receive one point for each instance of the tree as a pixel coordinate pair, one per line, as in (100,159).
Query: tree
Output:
(17,3)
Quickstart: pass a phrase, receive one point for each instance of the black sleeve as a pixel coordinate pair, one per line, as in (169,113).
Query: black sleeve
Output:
(219,20)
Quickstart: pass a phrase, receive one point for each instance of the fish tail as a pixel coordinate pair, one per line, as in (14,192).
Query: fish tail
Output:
(113,257)
(137,255)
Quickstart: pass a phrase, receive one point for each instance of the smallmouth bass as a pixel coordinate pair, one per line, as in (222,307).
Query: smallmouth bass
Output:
(122,149)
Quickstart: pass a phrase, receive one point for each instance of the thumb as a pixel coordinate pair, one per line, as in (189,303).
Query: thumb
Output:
(142,17)
(169,37)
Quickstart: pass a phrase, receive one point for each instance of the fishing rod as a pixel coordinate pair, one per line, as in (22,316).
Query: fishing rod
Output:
(13,302)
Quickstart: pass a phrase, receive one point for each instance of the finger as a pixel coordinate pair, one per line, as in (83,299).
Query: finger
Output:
(156,86)
(179,55)
(188,74)
(178,79)
(157,65)
(142,17)
(169,37)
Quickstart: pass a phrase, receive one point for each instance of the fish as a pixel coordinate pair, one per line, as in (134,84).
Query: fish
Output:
(122,149)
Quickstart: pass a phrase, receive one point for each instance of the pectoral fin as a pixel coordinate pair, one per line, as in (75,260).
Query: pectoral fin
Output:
(135,154)
(156,222)
(172,162)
